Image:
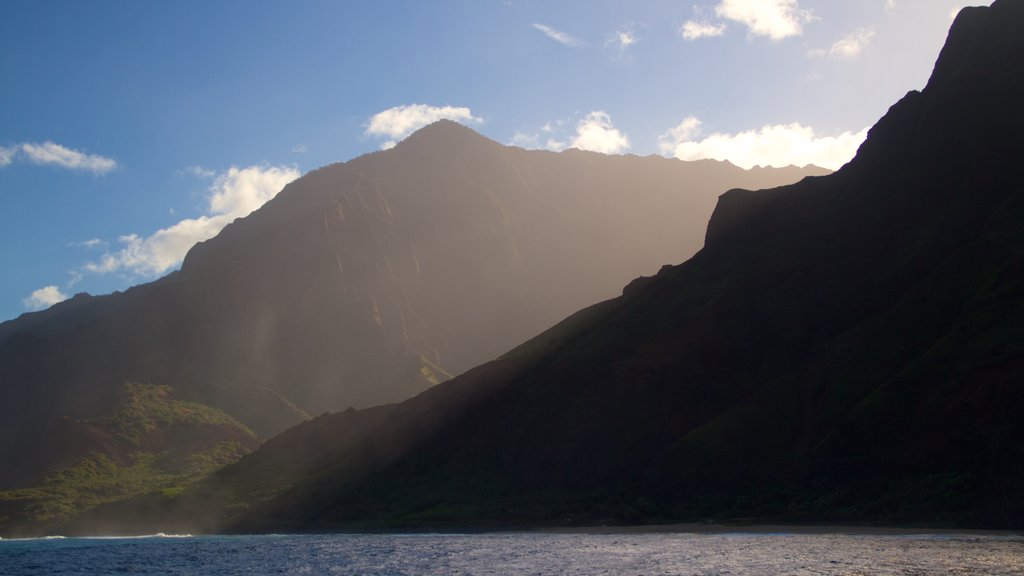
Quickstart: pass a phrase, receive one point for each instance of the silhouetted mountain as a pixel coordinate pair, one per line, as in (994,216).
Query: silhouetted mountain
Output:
(848,348)
(361,283)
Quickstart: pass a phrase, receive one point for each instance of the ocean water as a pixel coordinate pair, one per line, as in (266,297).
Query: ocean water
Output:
(521,553)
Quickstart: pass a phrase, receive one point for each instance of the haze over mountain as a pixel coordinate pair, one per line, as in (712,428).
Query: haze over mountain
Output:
(846,348)
(361,283)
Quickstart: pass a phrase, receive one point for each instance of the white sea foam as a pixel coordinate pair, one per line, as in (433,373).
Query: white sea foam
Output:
(138,536)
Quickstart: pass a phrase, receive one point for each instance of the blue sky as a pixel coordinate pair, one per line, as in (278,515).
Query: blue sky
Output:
(129,130)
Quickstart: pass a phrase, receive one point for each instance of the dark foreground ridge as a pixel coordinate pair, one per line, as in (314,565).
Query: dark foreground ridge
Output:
(845,349)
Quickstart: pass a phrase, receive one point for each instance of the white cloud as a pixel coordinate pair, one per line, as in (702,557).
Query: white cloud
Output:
(688,129)
(7,155)
(398,122)
(51,154)
(559,36)
(778,145)
(851,45)
(596,133)
(696,29)
(555,145)
(300,149)
(890,4)
(621,40)
(44,298)
(775,19)
(233,194)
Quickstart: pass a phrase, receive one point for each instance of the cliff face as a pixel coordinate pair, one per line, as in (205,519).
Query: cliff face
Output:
(360,284)
(848,348)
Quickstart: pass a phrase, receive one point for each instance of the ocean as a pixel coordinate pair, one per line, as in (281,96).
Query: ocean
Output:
(522,553)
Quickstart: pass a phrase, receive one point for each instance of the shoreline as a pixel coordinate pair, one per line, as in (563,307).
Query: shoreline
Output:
(695,528)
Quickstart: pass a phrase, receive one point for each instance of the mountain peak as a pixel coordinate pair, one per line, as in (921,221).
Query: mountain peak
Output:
(446,133)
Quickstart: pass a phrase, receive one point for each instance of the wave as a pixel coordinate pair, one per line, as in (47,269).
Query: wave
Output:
(138,537)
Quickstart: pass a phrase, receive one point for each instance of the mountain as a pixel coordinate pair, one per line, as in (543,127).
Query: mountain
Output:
(846,349)
(360,283)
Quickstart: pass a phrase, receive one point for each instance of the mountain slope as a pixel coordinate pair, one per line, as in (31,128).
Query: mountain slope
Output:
(848,348)
(360,283)
(151,442)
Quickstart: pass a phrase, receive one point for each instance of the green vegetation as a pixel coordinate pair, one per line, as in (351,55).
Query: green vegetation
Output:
(146,408)
(152,443)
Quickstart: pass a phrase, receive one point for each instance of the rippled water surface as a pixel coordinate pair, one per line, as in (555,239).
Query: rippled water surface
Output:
(517,553)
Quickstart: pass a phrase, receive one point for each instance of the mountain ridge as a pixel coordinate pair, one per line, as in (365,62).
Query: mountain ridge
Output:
(360,283)
(844,349)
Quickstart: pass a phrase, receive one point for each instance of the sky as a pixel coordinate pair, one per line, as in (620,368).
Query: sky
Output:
(131,130)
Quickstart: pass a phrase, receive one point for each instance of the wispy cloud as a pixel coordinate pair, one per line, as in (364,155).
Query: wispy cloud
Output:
(525,140)
(201,172)
(890,4)
(7,155)
(300,149)
(596,133)
(535,141)
(233,194)
(398,122)
(621,41)
(559,36)
(90,243)
(777,145)
(847,47)
(44,298)
(774,19)
(52,154)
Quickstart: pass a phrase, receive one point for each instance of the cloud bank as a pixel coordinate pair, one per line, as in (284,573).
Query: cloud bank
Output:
(44,298)
(777,145)
(52,154)
(398,122)
(233,194)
